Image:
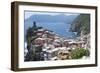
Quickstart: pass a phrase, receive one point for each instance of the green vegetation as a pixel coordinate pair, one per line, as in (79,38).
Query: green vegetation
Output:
(33,52)
(87,52)
(31,33)
(85,23)
(81,24)
(79,53)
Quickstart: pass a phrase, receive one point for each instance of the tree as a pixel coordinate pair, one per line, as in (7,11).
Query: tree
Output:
(31,35)
(31,32)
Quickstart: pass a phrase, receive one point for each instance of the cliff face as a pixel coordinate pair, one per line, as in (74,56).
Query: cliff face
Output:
(81,24)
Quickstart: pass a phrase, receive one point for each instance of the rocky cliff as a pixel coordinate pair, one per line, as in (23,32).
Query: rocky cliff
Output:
(81,24)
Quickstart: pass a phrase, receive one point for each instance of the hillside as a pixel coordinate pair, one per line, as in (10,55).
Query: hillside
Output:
(61,21)
(81,24)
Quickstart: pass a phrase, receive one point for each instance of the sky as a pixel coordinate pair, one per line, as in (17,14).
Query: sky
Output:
(28,14)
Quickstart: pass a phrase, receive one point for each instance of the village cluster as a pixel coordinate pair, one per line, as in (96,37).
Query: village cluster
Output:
(50,46)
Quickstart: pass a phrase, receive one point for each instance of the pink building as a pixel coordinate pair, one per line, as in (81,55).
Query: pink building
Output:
(39,41)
